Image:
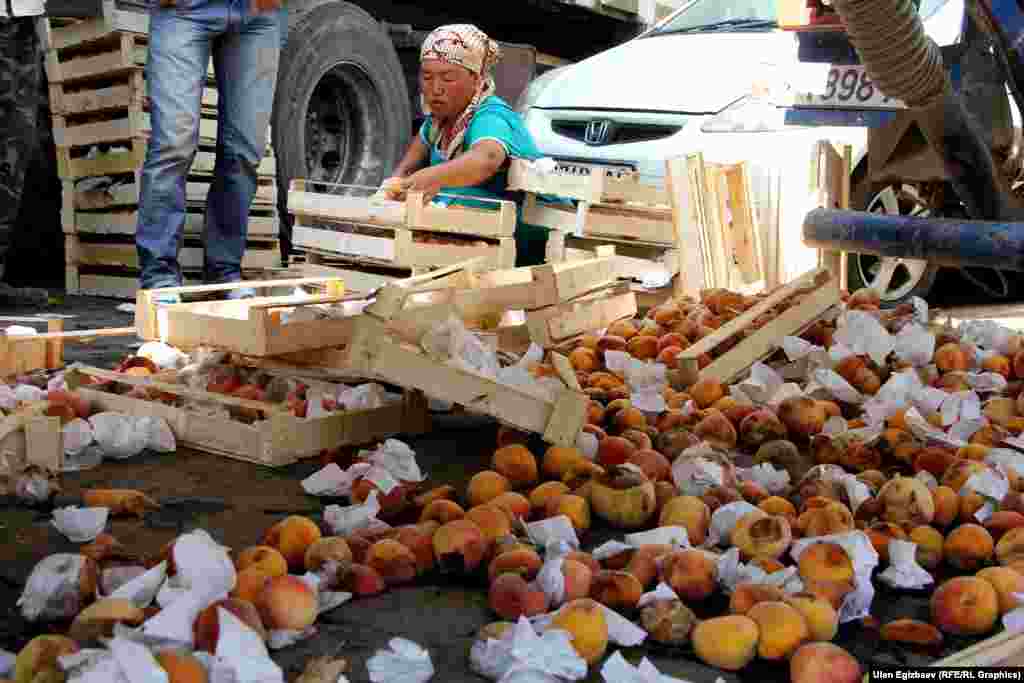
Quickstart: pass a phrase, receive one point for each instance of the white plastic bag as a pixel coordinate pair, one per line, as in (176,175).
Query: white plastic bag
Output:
(52,591)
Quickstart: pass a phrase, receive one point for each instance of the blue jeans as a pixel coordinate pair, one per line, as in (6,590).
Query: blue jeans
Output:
(245,49)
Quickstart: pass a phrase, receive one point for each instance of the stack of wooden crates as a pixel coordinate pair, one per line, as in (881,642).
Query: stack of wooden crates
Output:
(101,125)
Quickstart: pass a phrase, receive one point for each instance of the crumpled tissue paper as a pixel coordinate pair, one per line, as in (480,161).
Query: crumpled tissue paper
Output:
(617,670)
(864,557)
(903,570)
(403,662)
(521,648)
(80,525)
(345,520)
(52,591)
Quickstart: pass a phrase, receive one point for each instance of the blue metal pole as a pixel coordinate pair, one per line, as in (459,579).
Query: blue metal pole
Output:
(945,241)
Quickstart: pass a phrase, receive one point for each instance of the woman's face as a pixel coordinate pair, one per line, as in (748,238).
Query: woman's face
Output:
(447,88)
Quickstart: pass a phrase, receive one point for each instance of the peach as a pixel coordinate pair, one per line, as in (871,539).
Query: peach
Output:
(486,486)
(262,557)
(1000,410)
(418,538)
(816,662)
(965,605)
(585,621)
(970,503)
(511,597)
(361,580)
(329,549)
(737,413)
(623,498)
(250,582)
(706,392)
(181,667)
(692,574)
(957,474)
(880,533)
(947,505)
(515,504)
(540,496)
(643,347)
(832,518)
(728,643)
(287,603)
(1007,582)
(951,358)
(859,456)
(586,559)
(667,314)
(206,629)
(822,619)
(675,441)
(760,427)
(911,632)
(517,464)
(576,508)
(459,546)
(641,440)
(667,356)
(442,511)
(929,546)
(776,505)
(672,339)
(832,592)
(906,500)
(615,450)
(292,537)
(622,328)
(630,418)
(758,535)
(716,429)
(1011,546)
(832,408)
(643,563)
(395,563)
(669,622)
(689,512)
(446,492)
(783,629)
(583,359)
(1003,521)
(968,547)
(524,562)
(38,660)
(992,435)
(595,413)
(492,520)
(616,589)
(653,464)
(391,504)
(746,595)
(899,445)
(768,564)
(803,417)
(577,578)
(826,562)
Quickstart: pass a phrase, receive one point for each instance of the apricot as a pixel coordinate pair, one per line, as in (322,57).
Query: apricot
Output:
(584,359)
(822,619)
(669,622)
(832,518)
(329,549)
(746,595)
(361,580)
(968,547)
(586,559)
(262,557)
(585,621)
(629,418)
(418,538)
(803,417)
(951,358)
(1010,547)
(643,347)
(492,520)
(459,546)
(249,583)
(1007,583)
(643,563)
(716,429)
(616,589)
(929,546)
(181,667)
(856,371)
(442,511)
(706,392)
(486,486)
(965,605)
(653,464)
(206,629)
(292,537)
(947,505)
(540,496)
(832,592)
(728,643)
(517,464)
(692,574)
(783,629)
(671,339)
(911,632)
(287,603)
(689,512)
(907,500)
(512,597)
(615,450)
(560,459)
(817,662)
(900,445)
(395,563)
(576,508)
(826,562)
(577,578)
(768,564)
(758,535)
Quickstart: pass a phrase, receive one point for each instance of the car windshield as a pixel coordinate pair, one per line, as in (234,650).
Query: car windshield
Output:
(721,15)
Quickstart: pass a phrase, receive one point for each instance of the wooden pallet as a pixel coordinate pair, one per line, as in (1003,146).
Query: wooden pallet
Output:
(22,353)
(122,283)
(279,440)
(57,33)
(820,291)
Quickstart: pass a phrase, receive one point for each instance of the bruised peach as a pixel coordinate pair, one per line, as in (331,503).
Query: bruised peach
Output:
(947,505)
(880,533)
(329,549)
(911,632)
(757,535)
(833,592)
(511,597)
(653,464)
(671,419)
(641,440)
(486,486)
(543,493)
(760,427)
(826,562)
(899,445)
(968,547)
(669,622)
(716,429)
(418,538)
(459,546)
(492,520)
(517,464)
(803,417)
(692,574)
(776,505)
(395,563)
(584,359)
(965,605)
(614,450)
(643,563)
(832,518)
(1007,583)
(706,392)
(737,412)
(906,500)
(817,662)
(783,629)
(1011,546)
(728,643)
(855,371)
(746,595)
(616,589)
(392,503)
(361,580)
(929,543)
(675,441)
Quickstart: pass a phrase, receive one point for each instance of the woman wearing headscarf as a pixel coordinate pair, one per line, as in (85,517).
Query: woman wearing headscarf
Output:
(470,134)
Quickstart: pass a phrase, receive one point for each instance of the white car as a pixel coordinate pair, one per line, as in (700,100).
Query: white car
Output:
(705,79)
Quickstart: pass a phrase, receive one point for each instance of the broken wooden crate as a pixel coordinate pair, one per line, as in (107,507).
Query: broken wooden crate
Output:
(809,297)
(336,221)
(28,437)
(375,351)
(22,353)
(278,440)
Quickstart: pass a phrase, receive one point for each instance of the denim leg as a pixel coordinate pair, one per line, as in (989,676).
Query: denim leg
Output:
(245,60)
(179,52)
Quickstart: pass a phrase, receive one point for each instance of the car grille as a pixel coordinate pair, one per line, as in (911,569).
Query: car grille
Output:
(620,134)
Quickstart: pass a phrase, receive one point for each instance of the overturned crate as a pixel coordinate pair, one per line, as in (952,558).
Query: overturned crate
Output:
(275,438)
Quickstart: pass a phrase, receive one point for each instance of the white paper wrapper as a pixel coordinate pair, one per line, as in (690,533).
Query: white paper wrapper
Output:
(173,623)
(693,476)
(521,648)
(915,345)
(382,479)
(661,592)
(552,530)
(837,387)
(963,405)
(333,481)
(279,640)
(242,654)
(78,436)
(96,666)
(80,525)
(27,392)
(124,436)
(398,459)
(724,519)
(52,589)
(987,334)
(622,631)
(165,356)
(774,480)
(617,670)
(452,343)
(610,549)
(136,661)
(986,382)
(861,332)
(928,478)
(142,589)
(858,547)
(762,384)
(675,536)
(1013,621)
(903,570)
(646,380)
(587,445)
(551,580)
(403,662)
(992,485)
(345,520)
(203,564)
(8,399)
(362,397)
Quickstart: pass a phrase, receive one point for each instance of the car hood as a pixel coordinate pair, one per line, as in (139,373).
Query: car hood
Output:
(687,73)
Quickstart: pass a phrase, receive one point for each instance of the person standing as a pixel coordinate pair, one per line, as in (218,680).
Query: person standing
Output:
(244,38)
(20,76)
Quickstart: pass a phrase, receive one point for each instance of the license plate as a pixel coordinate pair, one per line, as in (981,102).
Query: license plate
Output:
(847,87)
(582,168)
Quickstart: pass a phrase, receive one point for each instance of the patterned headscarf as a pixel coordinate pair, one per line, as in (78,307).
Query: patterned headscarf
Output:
(467,46)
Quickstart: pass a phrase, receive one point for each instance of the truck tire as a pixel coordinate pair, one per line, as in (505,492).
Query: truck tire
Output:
(342,111)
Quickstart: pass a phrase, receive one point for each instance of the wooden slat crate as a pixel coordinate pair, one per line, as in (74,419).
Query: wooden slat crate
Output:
(280,439)
(598,186)
(45,351)
(562,324)
(29,438)
(121,283)
(645,224)
(360,277)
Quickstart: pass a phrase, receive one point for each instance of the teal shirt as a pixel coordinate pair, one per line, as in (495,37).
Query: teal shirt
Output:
(495,120)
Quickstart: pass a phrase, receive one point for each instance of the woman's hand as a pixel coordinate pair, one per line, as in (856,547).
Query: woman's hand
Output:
(426,181)
(391,188)
(261,6)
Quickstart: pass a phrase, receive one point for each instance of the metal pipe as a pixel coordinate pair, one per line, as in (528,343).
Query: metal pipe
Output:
(945,241)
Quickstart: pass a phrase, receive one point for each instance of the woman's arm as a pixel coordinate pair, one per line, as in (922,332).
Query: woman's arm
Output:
(476,166)
(415,158)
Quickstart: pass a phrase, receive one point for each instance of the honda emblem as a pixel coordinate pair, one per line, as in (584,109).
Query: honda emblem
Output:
(597,132)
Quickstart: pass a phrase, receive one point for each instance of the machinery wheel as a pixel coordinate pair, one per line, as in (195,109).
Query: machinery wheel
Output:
(342,110)
(896,279)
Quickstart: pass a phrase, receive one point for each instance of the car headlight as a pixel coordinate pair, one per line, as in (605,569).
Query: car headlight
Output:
(533,90)
(749,114)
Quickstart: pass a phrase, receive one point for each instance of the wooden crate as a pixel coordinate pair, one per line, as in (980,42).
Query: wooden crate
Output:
(820,291)
(375,351)
(58,33)
(123,284)
(598,186)
(645,224)
(280,439)
(45,351)
(563,324)
(360,277)
(29,438)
